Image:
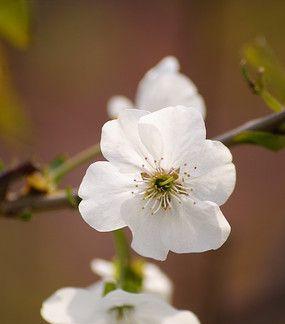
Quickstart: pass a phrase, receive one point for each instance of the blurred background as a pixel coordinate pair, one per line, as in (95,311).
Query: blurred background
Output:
(62,64)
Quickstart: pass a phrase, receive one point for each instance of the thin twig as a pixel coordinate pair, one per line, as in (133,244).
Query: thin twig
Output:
(75,161)
(60,200)
(268,123)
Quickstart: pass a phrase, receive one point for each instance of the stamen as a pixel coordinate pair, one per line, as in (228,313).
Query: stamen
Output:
(160,187)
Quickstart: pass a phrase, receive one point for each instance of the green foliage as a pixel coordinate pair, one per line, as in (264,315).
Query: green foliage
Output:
(268,140)
(15,22)
(2,166)
(14,27)
(264,73)
(14,125)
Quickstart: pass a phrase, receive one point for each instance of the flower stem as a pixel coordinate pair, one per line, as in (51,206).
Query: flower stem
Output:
(123,256)
(75,161)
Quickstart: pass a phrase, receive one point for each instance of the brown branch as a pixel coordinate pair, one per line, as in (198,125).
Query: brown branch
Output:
(13,174)
(38,203)
(59,200)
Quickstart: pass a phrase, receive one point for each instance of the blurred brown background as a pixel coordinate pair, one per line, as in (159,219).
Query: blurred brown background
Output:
(82,52)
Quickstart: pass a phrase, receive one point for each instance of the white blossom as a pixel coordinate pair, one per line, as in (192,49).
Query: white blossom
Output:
(154,280)
(161,87)
(87,306)
(164,181)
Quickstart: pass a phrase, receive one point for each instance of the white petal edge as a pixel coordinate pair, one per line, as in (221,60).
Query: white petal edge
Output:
(103,268)
(120,141)
(161,90)
(217,185)
(180,129)
(103,190)
(182,317)
(68,305)
(145,229)
(157,282)
(197,102)
(195,227)
(117,104)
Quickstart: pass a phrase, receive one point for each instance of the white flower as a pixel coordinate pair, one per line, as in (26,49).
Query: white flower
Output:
(86,306)
(161,87)
(164,181)
(154,280)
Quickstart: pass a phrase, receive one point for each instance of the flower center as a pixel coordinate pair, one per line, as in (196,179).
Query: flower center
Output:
(164,182)
(160,187)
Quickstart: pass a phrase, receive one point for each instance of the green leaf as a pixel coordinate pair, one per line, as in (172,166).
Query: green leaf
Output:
(268,140)
(264,73)
(15,22)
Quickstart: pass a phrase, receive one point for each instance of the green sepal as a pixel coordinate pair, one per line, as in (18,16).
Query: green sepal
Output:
(108,287)
(133,276)
(71,199)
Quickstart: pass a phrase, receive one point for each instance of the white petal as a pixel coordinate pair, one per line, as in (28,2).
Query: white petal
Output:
(117,104)
(69,306)
(156,282)
(120,142)
(164,86)
(212,174)
(103,268)
(152,140)
(168,64)
(147,308)
(145,228)
(207,156)
(216,185)
(180,129)
(182,317)
(197,102)
(103,190)
(195,227)
(164,90)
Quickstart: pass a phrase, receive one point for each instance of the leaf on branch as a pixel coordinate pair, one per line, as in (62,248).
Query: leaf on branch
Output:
(274,142)
(264,73)
(15,22)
